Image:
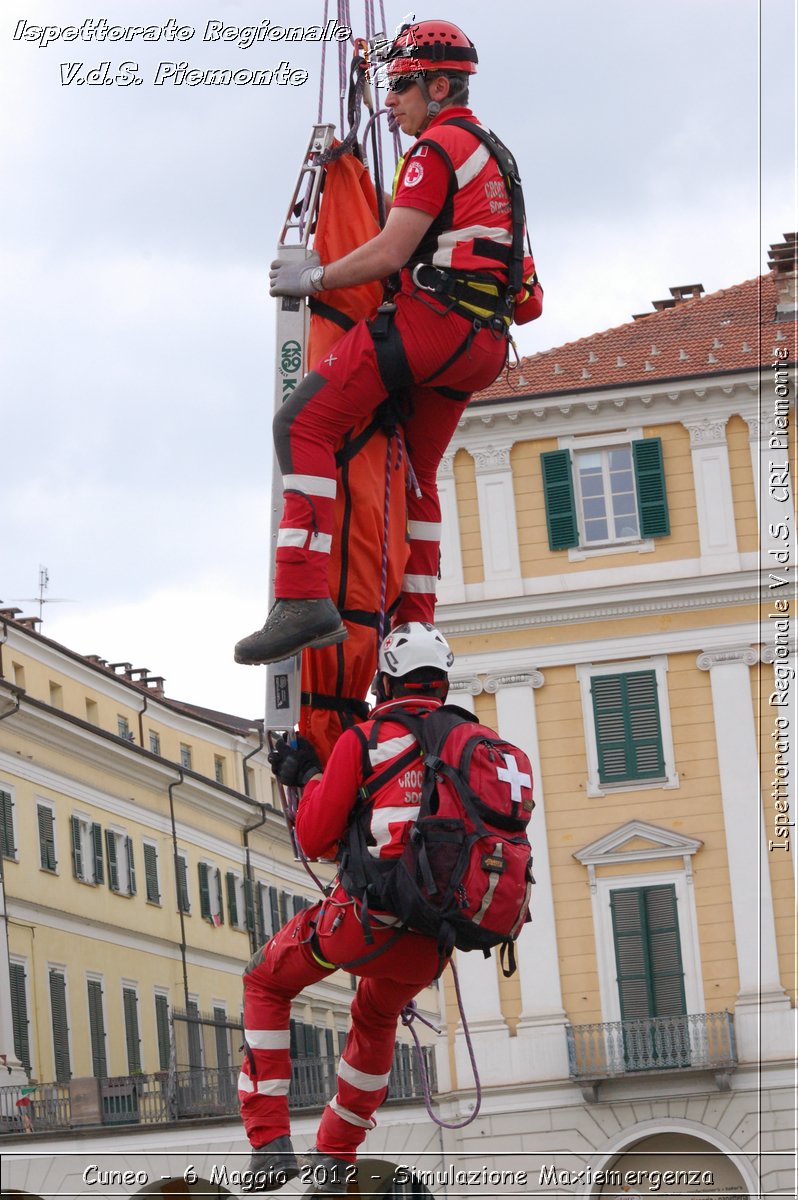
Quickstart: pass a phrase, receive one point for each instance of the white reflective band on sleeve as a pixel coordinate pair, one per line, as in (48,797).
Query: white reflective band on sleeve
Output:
(292,537)
(425,584)
(424,531)
(268,1039)
(390,748)
(448,241)
(350,1117)
(312,485)
(383,818)
(322,542)
(472,165)
(361,1079)
(265,1087)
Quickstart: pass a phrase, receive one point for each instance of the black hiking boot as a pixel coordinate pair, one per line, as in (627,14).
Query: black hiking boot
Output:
(329,1176)
(271,1166)
(291,626)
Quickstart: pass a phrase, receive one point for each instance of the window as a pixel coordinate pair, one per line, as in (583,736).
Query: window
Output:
(605,492)
(8,844)
(185,756)
(627,725)
(56,695)
(130,1008)
(648,959)
(19,1013)
(87,850)
(19,675)
(270,911)
(155,742)
(99,1064)
(194,1033)
(162,1029)
(239,911)
(46,821)
(151,882)
(123,728)
(92,712)
(181,868)
(218,768)
(60,1025)
(210,889)
(121,869)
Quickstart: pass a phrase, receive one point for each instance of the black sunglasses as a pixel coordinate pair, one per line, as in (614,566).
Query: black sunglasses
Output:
(400,83)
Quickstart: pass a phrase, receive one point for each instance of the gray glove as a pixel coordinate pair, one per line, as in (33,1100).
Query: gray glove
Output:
(294,278)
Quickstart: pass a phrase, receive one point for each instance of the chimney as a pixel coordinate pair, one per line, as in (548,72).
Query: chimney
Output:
(782,262)
(685,291)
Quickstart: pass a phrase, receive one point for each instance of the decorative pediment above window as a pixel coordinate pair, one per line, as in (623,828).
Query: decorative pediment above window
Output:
(634,842)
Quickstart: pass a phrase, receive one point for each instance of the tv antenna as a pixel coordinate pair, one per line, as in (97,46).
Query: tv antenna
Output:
(41,599)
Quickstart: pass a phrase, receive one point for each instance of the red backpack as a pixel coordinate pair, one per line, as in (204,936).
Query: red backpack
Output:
(464,876)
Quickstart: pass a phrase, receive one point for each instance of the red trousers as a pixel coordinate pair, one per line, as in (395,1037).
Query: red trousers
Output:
(346,388)
(278,973)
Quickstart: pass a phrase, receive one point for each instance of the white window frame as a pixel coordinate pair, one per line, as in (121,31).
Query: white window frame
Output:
(584,674)
(241,900)
(186,756)
(120,836)
(688,937)
(604,441)
(86,823)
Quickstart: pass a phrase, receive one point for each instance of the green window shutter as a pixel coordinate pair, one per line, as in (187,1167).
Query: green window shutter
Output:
(232,901)
(652,502)
(97,844)
(77,849)
(151,874)
(204,890)
(113,865)
(299,903)
(19,1014)
(647,952)
(181,869)
(249,906)
(131,867)
(558,494)
(194,1032)
(58,1009)
(130,1006)
(220,896)
(222,1040)
(274,910)
(46,837)
(97,1029)
(7,847)
(286,909)
(162,1030)
(627,724)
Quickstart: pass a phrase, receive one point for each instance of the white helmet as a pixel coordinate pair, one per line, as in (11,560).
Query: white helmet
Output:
(414,645)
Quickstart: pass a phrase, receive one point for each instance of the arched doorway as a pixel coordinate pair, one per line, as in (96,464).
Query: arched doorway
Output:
(672,1163)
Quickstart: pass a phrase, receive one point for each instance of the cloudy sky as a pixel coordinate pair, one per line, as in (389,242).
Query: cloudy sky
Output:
(655,143)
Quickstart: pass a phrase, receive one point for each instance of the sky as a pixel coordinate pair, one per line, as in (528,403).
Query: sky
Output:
(655,140)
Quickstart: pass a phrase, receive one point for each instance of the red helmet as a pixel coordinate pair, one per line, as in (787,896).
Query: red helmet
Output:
(431,46)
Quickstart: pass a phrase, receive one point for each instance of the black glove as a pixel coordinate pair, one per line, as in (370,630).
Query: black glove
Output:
(294,765)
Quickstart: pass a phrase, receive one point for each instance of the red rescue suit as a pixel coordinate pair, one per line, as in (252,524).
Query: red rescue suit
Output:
(288,963)
(437,361)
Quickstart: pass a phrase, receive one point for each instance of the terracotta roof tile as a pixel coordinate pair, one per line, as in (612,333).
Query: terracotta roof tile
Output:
(701,336)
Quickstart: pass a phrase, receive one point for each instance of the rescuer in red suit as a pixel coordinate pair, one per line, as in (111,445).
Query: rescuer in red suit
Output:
(445,336)
(414,662)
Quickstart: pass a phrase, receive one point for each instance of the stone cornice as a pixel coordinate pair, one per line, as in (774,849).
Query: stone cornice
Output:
(523,417)
(665,597)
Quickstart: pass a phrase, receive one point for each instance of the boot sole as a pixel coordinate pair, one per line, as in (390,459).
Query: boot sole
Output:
(318,643)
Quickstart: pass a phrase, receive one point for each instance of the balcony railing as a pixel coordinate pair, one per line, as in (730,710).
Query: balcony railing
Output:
(192,1092)
(693,1042)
